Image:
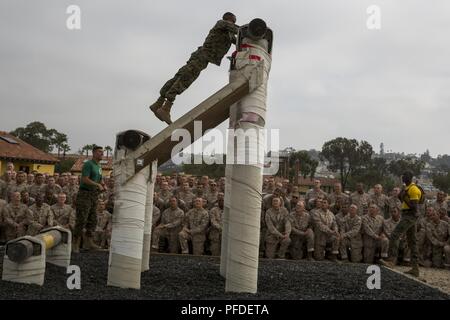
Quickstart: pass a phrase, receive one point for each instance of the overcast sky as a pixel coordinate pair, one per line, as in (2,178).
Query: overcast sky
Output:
(330,77)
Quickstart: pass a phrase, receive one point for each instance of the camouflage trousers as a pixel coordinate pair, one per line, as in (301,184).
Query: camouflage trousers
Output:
(321,240)
(273,243)
(198,242)
(423,245)
(86,216)
(407,225)
(185,76)
(371,246)
(437,253)
(170,234)
(215,237)
(355,247)
(299,241)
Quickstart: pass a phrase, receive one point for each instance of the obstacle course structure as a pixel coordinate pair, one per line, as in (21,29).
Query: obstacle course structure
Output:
(25,257)
(137,155)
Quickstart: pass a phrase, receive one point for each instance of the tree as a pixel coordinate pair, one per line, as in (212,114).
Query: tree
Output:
(65,148)
(108,149)
(59,140)
(37,134)
(307,165)
(85,149)
(442,162)
(345,156)
(375,171)
(64,165)
(398,167)
(212,170)
(425,157)
(442,181)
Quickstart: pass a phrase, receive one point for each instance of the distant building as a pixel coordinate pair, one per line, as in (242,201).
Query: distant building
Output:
(106,164)
(24,156)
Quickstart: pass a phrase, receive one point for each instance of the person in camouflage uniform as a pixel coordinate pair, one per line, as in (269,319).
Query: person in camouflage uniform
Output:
(3,204)
(439,202)
(26,199)
(278,230)
(301,232)
(63,214)
(42,216)
(342,213)
(313,194)
(437,232)
(103,229)
(71,190)
(186,195)
(169,227)
(194,228)
(215,231)
(36,188)
(360,199)
(389,226)
(350,235)
(16,218)
(51,188)
(373,237)
(423,245)
(216,45)
(337,194)
(3,188)
(156,217)
(165,193)
(21,183)
(212,194)
(393,201)
(380,199)
(325,231)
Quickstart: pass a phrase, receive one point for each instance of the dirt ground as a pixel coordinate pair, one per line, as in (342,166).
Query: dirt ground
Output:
(193,278)
(439,278)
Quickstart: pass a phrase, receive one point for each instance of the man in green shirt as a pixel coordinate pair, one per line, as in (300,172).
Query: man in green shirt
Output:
(86,202)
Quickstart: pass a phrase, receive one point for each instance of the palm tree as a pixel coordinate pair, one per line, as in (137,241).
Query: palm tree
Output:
(108,149)
(65,148)
(86,148)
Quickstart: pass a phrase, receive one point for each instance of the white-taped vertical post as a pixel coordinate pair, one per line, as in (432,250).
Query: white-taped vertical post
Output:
(226,213)
(246,177)
(148,217)
(125,256)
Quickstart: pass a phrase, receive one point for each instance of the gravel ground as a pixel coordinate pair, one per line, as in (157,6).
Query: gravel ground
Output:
(187,277)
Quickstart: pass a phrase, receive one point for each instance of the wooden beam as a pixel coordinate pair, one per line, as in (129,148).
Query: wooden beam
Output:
(211,112)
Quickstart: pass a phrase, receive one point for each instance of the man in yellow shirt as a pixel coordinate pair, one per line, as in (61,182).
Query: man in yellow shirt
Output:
(410,196)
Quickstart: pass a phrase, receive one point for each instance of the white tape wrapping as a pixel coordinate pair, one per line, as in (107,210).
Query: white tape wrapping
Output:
(256,101)
(243,232)
(249,144)
(129,214)
(149,201)
(244,227)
